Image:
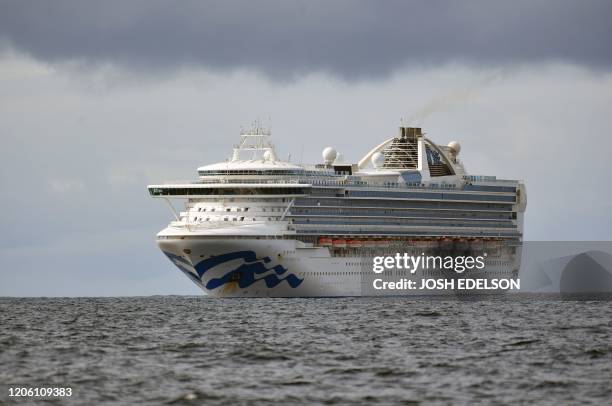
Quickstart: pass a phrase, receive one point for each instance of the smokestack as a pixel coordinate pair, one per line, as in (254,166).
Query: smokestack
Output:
(411,132)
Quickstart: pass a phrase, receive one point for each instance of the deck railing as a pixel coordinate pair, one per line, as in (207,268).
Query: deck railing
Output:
(341,182)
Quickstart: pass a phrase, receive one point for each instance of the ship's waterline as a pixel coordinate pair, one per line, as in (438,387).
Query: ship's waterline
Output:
(257,226)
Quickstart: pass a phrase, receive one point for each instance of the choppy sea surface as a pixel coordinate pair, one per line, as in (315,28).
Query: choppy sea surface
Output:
(198,350)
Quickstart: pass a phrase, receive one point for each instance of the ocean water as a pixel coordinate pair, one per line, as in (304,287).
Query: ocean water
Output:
(198,350)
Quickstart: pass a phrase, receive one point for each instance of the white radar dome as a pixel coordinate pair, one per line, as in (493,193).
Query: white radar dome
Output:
(455,147)
(267,155)
(378,159)
(329,155)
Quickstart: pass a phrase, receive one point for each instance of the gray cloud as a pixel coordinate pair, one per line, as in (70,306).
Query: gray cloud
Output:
(353,39)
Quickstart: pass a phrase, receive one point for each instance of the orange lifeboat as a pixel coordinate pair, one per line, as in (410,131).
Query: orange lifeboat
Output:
(382,243)
(462,244)
(354,243)
(490,243)
(421,244)
(446,243)
(325,242)
(369,243)
(339,243)
(477,244)
(434,244)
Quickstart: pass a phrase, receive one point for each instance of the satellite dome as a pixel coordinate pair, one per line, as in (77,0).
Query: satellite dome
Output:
(455,147)
(267,155)
(378,159)
(329,155)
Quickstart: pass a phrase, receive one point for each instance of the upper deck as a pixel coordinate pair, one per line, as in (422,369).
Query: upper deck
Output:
(406,185)
(408,166)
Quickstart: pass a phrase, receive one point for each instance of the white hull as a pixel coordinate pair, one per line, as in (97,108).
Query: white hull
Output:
(242,267)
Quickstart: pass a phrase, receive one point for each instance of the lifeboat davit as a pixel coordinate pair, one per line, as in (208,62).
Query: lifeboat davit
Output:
(325,242)
(339,243)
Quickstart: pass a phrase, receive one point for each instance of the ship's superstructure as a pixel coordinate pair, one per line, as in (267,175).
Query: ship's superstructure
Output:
(254,225)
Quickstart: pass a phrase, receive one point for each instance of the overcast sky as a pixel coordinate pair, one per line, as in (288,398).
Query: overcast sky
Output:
(99,99)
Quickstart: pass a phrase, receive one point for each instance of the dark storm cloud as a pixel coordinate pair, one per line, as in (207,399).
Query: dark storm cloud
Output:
(349,38)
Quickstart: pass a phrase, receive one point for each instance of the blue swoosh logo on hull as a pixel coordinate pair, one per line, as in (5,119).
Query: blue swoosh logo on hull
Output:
(245,274)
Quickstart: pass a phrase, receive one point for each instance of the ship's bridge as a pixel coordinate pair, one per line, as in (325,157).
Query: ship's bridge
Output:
(254,155)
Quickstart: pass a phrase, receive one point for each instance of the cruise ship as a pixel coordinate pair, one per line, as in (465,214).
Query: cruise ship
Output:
(257,226)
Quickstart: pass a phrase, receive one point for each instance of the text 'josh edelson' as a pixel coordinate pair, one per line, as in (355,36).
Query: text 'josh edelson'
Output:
(444,273)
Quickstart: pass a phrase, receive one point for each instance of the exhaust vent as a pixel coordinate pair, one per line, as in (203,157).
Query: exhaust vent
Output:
(403,152)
